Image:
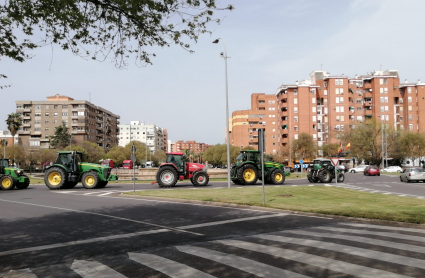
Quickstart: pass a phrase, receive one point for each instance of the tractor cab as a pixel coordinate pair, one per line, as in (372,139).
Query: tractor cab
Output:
(178,159)
(249,155)
(4,162)
(69,160)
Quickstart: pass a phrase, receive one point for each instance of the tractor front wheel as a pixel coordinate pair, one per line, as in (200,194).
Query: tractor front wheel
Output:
(325,176)
(90,180)
(23,185)
(7,182)
(166,176)
(277,177)
(201,179)
(55,178)
(340,177)
(233,175)
(247,174)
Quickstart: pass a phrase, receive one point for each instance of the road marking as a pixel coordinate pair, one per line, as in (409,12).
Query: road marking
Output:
(90,193)
(107,193)
(348,250)
(384,227)
(373,241)
(166,266)
(105,215)
(247,265)
(92,269)
(294,185)
(348,268)
(21,273)
(64,192)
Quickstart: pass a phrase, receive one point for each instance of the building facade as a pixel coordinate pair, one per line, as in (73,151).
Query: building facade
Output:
(151,135)
(85,122)
(181,146)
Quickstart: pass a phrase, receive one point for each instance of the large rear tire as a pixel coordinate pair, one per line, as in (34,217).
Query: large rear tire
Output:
(55,178)
(325,176)
(201,179)
(166,176)
(90,180)
(23,185)
(247,174)
(277,177)
(7,182)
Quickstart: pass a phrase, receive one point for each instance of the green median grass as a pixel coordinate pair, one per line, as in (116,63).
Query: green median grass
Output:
(324,200)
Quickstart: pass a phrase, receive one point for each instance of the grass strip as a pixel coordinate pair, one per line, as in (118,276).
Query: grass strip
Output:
(325,200)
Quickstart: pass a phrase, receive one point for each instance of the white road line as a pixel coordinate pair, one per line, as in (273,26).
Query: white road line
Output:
(166,266)
(231,221)
(373,241)
(366,232)
(104,194)
(90,193)
(247,265)
(371,254)
(92,269)
(64,192)
(105,215)
(422,231)
(21,273)
(335,265)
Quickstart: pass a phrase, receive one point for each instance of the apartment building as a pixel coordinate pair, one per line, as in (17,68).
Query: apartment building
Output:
(6,135)
(244,124)
(150,134)
(85,121)
(194,146)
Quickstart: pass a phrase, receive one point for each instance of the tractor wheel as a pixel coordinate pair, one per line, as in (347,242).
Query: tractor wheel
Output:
(7,182)
(90,180)
(201,179)
(311,177)
(325,176)
(23,185)
(277,177)
(102,184)
(233,175)
(55,178)
(340,178)
(247,174)
(166,176)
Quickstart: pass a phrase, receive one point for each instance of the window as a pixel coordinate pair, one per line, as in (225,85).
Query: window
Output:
(46,121)
(313,109)
(295,109)
(296,128)
(296,136)
(296,119)
(410,127)
(313,100)
(55,121)
(341,99)
(47,114)
(46,129)
(340,82)
(64,106)
(274,136)
(314,136)
(37,129)
(55,107)
(81,113)
(341,91)
(295,100)
(38,107)
(314,118)
(325,84)
(34,143)
(37,122)
(410,108)
(325,92)
(55,114)
(409,90)
(336,81)
(295,92)
(37,114)
(385,90)
(409,99)
(410,117)
(337,99)
(336,91)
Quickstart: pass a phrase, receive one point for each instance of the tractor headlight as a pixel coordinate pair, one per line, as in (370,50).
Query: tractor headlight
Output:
(19,172)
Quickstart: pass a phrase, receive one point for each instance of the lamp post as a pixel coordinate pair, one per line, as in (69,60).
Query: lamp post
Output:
(70,141)
(224,55)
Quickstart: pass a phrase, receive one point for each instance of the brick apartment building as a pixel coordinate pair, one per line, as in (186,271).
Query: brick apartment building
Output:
(150,134)
(85,121)
(181,145)
(324,105)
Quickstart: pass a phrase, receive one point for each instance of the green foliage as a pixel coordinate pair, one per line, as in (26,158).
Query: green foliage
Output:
(217,155)
(304,147)
(118,154)
(409,145)
(61,138)
(13,122)
(158,157)
(92,152)
(329,149)
(117,28)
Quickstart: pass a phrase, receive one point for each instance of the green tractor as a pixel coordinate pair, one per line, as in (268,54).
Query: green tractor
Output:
(324,171)
(247,169)
(11,177)
(68,170)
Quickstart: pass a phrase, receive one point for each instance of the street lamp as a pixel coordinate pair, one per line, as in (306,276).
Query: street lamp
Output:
(224,55)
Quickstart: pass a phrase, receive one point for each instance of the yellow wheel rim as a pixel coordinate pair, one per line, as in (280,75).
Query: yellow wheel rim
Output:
(89,180)
(248,175)
(6,183)
(278,177)
(55,178)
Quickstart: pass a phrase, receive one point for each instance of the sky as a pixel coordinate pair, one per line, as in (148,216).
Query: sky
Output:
(269,43)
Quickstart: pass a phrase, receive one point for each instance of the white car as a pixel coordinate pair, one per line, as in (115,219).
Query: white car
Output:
(393,169)
(359,168)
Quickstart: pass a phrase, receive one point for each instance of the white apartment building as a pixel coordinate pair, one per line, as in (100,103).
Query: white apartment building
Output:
(151,135)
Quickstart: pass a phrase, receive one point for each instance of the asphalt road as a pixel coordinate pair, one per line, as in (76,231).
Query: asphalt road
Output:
(98,233)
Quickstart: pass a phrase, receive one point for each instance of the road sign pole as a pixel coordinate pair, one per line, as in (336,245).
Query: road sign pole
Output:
(133,159)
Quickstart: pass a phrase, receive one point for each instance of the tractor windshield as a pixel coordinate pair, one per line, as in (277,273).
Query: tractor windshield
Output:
(241,157)
(4,162)
(64,159)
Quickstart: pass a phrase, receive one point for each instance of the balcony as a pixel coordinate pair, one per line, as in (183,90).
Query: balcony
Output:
(26,125)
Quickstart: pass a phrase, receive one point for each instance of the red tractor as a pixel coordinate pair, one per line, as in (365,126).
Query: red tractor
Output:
(177,168)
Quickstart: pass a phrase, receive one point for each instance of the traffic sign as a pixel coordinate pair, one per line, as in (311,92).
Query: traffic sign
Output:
(335,161)
(296,166)
(301,161)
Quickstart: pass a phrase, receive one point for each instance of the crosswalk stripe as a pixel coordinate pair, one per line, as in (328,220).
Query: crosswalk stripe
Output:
(168,267)
(365,232)
(373,241)
(104,194)
(384,227)
(232,221)
(371,254)
(92,269)
(21,273)
(348,268)
(244,264)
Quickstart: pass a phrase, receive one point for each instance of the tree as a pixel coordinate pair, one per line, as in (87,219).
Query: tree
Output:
(14,123)
(117,28)
(118,154)
(410,145)
(158,157)
(93,152)
(304,147)
(329,149)
(61,138)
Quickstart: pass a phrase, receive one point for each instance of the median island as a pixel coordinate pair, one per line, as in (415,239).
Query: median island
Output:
(323,200)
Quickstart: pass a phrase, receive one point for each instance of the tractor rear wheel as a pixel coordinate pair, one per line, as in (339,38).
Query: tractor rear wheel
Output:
(311,177)
(340,177)
(201,179)
(55,178)
(23,185)
(277,177)
(166,176)
(7,182)
(102,184)
(247,174)
(90,180)
(325,176)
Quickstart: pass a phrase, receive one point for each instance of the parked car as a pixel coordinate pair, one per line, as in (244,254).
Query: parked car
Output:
(393,169)
(359,168)
(371,171)
(413,174)
(288,169)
